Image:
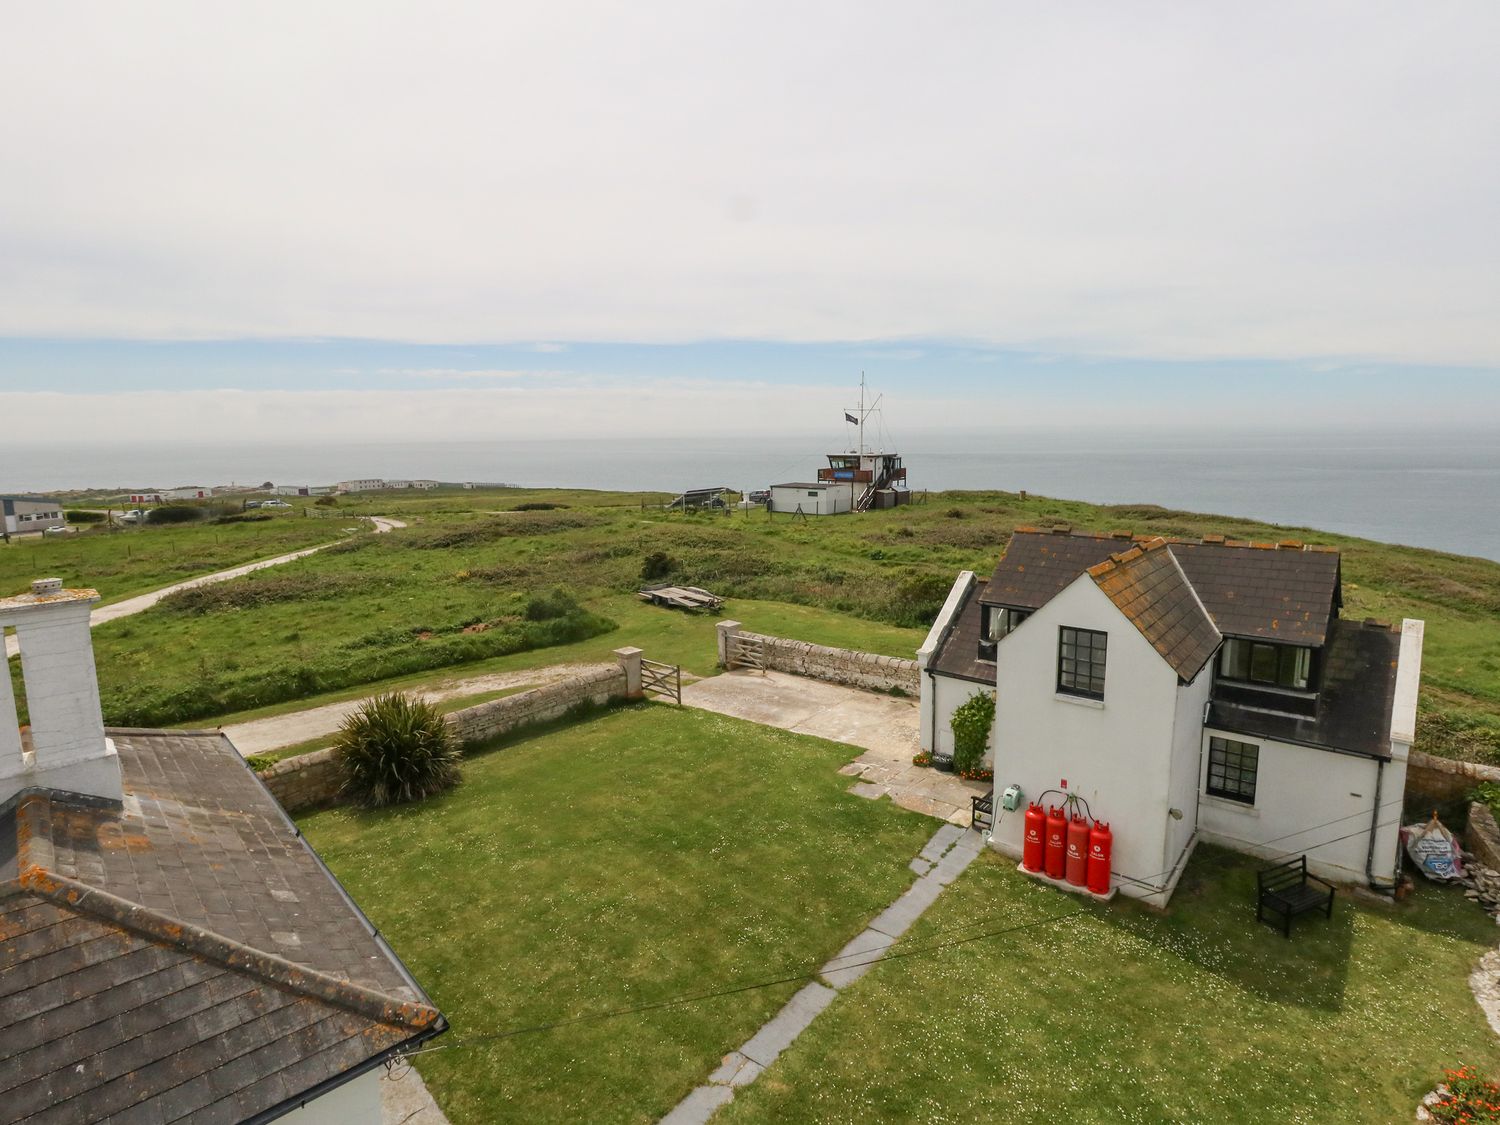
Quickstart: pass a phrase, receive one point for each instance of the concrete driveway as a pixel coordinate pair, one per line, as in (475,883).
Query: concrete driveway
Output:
(885,727)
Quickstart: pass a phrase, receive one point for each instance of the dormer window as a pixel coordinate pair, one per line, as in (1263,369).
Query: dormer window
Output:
(995,622)
(1266,665)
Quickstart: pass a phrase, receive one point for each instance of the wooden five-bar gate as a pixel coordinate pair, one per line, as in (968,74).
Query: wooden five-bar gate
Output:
(747,652)
(662,680)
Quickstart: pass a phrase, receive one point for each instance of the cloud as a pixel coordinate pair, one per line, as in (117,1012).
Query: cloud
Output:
(1150,180)
(449,373)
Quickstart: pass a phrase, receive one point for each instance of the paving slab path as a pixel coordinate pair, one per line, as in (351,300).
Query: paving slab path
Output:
(141,602)
(942,860)
(259,736)
(885,727)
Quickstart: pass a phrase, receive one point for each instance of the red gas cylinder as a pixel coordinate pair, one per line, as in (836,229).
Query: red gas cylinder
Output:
(1101,843)
(1031,844)
(1057,830)
(1078,850)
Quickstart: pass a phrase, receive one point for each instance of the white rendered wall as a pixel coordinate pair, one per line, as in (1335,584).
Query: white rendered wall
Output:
(1116,754)
(938,699)
(942,696)
(827,502)
(1304,798)
(1187,743)
(354,1103)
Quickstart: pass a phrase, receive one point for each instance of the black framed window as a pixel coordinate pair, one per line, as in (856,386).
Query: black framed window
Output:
(1080,661)
(996,621)
(1232,767)
(1257,662)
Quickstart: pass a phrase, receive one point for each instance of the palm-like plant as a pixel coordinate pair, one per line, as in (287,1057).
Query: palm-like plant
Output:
(396,749)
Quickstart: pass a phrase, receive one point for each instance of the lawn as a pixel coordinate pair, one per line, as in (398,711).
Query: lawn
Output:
(123,562)
(1122,1014)
(647,853)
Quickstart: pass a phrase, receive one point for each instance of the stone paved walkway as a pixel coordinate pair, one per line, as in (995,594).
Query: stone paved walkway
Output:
(884,726)
(945,857)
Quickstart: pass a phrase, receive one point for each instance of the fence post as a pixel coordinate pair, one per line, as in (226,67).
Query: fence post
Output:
(726,630)
(630,661)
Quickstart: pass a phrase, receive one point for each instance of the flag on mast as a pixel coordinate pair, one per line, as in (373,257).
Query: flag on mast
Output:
(850,418)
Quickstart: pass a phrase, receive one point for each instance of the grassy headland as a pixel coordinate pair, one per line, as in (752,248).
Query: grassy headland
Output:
(452,591)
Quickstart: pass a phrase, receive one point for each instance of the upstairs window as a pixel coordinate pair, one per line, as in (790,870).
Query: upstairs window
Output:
(995,622)
(1080,662)
(1256,662)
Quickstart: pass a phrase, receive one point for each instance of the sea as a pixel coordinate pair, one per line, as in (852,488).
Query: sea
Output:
(1438,489)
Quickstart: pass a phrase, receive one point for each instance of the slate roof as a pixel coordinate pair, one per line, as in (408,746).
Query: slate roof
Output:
(1355,696)
(1149,588)
(188,951)
(1038,565)
(1279,592)
(958,650)
(1286,592)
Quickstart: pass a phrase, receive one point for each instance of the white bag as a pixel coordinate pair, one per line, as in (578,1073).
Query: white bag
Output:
(1434,850)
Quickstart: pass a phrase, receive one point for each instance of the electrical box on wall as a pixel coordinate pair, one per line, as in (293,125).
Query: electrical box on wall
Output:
(1010,800)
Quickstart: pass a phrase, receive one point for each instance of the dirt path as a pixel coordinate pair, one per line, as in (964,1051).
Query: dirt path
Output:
(145,601)
(258,736)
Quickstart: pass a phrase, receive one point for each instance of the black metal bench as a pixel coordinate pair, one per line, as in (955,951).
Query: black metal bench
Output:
(1287,890)
(984,811)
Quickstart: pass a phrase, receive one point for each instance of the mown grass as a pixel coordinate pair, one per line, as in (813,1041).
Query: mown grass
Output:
(1122,1014)
(640,855)
(871,581)
(123,562)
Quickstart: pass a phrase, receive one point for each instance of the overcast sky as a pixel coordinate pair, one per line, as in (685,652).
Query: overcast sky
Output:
(976,202)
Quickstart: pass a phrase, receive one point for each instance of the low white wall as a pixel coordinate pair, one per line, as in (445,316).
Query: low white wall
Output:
(1308,801)
(941,696)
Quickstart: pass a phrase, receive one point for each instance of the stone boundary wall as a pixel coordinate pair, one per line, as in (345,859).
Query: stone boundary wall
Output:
(1442,781)
(538,705)
(1483,836)
(819,662)
(310,780)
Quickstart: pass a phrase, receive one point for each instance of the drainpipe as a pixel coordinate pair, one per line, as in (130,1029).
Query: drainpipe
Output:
(932,683)
(1383,888)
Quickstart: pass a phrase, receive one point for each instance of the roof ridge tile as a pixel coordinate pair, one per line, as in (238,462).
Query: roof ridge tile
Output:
(268,967)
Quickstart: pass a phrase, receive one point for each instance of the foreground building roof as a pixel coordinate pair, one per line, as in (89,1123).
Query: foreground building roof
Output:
(186,957)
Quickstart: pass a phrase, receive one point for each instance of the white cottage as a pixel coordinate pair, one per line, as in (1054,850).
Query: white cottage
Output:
(1186,690)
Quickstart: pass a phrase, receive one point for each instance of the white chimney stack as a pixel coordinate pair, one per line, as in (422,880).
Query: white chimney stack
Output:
(68,750)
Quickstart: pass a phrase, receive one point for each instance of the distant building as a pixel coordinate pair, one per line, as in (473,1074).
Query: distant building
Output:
(812,498)
(187,492)
(145,497)
(426,485)
(396,484)
(363,484)
(30,513)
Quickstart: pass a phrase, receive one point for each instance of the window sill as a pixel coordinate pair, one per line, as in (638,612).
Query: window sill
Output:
(1079,700)
(1229,806)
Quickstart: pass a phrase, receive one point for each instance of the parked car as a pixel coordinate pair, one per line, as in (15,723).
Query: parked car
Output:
(251,504)
(54,532)
(135,515)
(760,496)
(275,504)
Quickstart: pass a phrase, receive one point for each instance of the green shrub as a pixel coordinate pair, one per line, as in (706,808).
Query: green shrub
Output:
(260,762)
(971,724)
(658,564)
(75,516)
(174,515)
(549,607)
(537,506)
(326,502)
(395,749)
